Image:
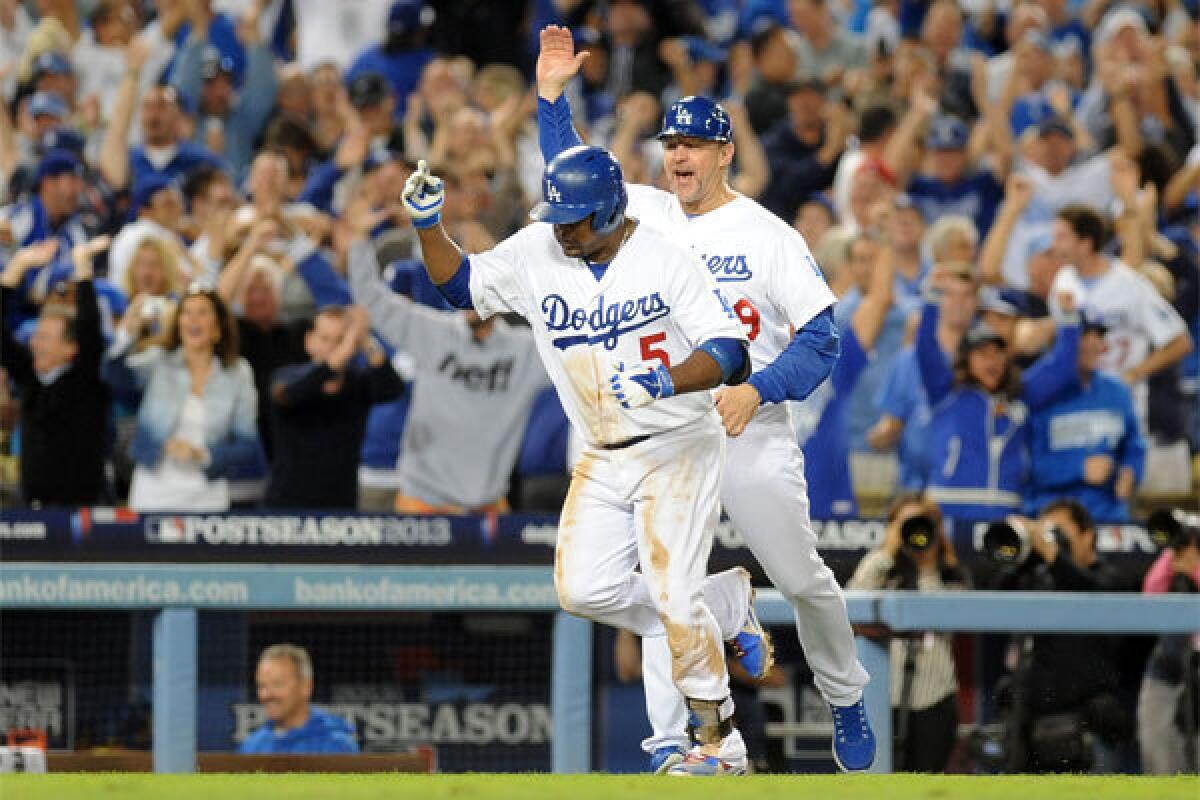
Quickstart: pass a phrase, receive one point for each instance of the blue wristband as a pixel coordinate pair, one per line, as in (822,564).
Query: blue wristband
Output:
(666,386)
(427,222)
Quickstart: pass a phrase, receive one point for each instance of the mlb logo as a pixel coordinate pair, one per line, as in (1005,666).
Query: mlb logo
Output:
(165,530)
(552,193)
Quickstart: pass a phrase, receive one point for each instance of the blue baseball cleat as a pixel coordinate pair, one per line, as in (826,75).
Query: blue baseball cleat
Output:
(666,757)
(853,739)
(698,765)
(752,644)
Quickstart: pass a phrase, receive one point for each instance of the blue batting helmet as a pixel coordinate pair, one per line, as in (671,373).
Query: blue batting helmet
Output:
(698,117)
(581,181)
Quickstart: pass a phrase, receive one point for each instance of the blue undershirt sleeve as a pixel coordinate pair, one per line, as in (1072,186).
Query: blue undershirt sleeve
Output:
(457,290)
(556,130)
(803,365)
(731,356)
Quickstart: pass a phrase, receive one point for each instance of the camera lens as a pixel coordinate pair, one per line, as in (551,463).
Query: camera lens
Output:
(918,533)
(1005,543)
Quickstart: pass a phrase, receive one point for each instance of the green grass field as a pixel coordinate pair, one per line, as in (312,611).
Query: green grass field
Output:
(113,786)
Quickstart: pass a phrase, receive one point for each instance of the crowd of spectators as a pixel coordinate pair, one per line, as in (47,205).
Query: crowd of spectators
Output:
(211,297)
(1025,173)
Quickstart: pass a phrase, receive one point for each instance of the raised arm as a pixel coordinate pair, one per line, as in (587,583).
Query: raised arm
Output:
(753,170)
(1018,191)
(1056,370)
(867,320)
(89,329)
(936,376)
(447,265)
(114,150)
(557,63)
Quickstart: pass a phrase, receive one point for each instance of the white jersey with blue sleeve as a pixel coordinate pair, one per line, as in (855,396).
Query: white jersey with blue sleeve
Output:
(654,303)
(762,265)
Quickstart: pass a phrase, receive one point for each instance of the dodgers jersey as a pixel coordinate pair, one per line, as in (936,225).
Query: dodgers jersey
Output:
(655,302)
(762,265)
(1138,318)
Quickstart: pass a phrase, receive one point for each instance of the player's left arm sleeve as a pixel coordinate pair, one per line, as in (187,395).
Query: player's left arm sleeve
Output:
(457,290)
(1053,372)
(556,130)
(803,365)
(732,356)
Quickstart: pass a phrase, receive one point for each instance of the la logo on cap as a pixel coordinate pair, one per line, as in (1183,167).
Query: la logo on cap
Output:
(552,193)
(683,116)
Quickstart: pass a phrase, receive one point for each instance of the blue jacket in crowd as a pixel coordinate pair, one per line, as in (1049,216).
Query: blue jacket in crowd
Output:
(323,733)
(979,442)
(1091,419)
(827,450)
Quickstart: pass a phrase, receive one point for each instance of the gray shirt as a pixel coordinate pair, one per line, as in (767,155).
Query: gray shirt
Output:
(470,400)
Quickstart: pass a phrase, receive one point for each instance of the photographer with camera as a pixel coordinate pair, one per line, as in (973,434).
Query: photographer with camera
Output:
(917,555)
(1167,701)
(1063,714)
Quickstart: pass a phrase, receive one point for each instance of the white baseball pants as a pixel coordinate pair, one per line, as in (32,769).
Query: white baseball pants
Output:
(766,498)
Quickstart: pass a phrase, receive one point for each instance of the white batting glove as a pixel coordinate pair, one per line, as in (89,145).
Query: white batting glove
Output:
(640,384)
(423,197)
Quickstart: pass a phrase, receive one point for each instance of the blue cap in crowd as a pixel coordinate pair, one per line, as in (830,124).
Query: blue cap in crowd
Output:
(145,189)
(48,103)
(63,139)
(406,16)
(701,49)
(213,63)
(58,162)
(368,89)
(947,133)
(51,63)
(1056,124)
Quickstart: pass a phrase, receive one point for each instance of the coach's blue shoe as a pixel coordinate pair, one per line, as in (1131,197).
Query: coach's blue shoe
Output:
(752,644)
(698,765)
(666,757)
(853,739)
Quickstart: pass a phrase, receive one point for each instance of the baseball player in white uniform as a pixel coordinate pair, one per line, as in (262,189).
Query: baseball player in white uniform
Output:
(777,292)
(633,333)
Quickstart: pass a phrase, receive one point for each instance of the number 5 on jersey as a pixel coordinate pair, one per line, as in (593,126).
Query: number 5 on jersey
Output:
(652,353)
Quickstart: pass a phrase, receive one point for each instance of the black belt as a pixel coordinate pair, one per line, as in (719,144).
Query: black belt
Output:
(621,445)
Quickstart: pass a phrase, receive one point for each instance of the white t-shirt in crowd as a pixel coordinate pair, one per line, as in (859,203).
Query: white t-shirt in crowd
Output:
(172,485)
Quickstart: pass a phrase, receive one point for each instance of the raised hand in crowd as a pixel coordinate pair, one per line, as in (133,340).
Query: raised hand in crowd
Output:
(27,259)
(82,256)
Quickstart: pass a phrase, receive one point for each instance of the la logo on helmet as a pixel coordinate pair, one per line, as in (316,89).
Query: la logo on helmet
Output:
(683,117)
(552,193)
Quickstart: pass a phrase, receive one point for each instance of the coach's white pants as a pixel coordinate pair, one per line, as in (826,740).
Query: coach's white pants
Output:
(655,502)
(766,498)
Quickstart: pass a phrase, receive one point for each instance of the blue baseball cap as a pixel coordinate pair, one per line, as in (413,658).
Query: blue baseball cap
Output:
(213,63)
(947,133)
(62,138)
(51,63)
(144,190)
(701,49)
(1055,124)
(698,117)
(49,104)
(406,16)
(58,162)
